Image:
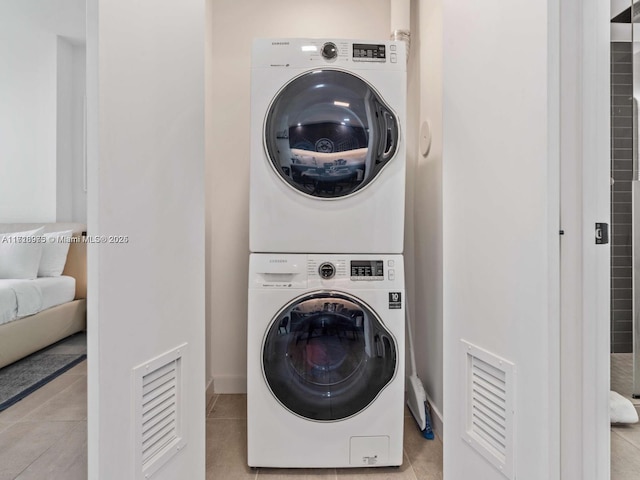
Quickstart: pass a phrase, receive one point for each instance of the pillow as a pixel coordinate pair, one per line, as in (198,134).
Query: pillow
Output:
(54,253)
(621,410)
(20,254)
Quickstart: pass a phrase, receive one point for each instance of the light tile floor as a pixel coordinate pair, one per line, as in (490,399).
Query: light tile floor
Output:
(625,439)
(227,450)
(31,430)
(31,448)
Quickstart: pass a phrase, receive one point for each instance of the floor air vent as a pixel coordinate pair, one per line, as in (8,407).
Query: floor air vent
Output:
(490,407)
(158,412)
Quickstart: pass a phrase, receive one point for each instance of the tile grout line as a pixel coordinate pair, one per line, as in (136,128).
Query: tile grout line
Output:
(5,425)
(406,455)
(626,440)
(216,397)
(46,449)
(26,418)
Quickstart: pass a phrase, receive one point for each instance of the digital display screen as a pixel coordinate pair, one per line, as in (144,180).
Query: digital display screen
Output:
(367,268)
(363,51)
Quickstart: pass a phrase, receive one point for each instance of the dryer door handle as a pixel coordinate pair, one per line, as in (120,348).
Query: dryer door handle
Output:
(387,132)
(389,137)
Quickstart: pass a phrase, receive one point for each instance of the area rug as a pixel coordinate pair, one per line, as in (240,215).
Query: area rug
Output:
(27,375)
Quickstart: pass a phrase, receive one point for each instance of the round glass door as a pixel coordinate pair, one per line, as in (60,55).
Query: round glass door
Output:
(326,356)
(328,133)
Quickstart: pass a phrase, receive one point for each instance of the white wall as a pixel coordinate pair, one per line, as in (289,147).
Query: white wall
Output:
(71,198)
(425,92)
(28,95)
(79,172)
(233,26)
(146,181)
(27,119)
(498,104)
(64,129)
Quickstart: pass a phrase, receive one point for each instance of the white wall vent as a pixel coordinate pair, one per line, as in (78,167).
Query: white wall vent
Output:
(489,407)
(158,411)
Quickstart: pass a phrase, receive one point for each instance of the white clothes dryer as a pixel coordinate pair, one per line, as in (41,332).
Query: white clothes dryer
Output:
(327,146)
(325,362)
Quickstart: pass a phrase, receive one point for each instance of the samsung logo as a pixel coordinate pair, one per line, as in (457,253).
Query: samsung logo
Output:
(277,261)
(279,43)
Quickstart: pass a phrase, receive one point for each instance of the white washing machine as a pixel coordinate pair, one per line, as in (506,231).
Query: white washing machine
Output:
(327,146)
(325,362)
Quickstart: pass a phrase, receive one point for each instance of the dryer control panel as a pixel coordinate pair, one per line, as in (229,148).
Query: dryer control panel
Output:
(313,52)
(365,52)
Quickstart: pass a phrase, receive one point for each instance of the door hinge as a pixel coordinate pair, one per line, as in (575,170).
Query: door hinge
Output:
(602,233)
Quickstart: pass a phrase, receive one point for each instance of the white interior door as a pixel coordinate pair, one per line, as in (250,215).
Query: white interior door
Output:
(526,149)
(585,274)
(500,240)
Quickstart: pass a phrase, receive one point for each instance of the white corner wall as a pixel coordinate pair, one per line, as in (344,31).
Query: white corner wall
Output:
(499,238)
(424,182)
(28,95)
(233,25)
(64,130)
(146,182)
(71,197)
(27,119)
(78,154)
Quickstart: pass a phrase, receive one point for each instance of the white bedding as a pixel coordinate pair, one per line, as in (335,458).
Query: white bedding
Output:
(20,298)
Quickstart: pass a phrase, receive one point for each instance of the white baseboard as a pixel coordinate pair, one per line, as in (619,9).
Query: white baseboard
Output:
(436,420)
(229,384)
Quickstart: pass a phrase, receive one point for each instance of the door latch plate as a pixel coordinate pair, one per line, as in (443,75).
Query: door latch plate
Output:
(602,233)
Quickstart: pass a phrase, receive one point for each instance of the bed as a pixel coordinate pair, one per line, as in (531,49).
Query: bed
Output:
(22,333)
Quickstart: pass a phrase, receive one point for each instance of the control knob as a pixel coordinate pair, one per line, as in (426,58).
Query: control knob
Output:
(327,270)
(329,50)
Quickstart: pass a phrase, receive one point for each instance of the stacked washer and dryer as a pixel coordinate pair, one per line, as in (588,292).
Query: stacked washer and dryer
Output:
(326,322)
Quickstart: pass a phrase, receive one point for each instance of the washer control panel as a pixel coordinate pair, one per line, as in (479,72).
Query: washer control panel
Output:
(296,271)
(367,270)
(327,270)
(356,270)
